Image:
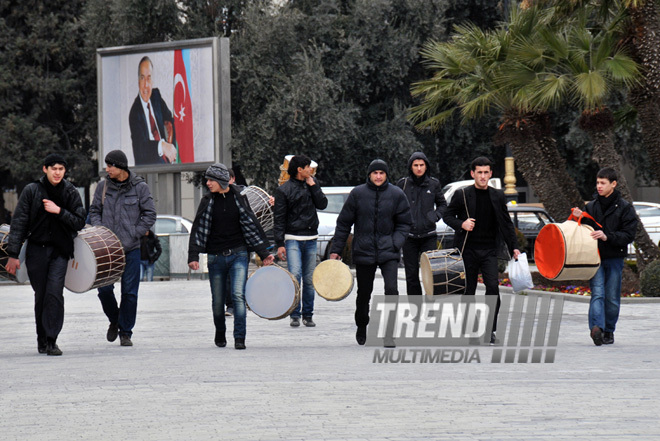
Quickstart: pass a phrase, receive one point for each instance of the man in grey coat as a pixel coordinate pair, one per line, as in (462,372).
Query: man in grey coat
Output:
(123,203)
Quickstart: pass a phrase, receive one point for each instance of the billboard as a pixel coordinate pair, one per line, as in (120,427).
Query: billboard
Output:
(165,105)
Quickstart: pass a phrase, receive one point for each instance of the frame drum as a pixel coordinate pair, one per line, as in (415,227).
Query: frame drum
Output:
(272,293)
(98,260)
(21,274)
(259,203)
(333,280)
(443,272)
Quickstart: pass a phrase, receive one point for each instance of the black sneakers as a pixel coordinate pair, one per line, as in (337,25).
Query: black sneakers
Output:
(597,336)
(125,340)
(53,349)
(307,321)
(608,338)
(295,322)
(239,343)
(220,339)
(113,331)
(361,335)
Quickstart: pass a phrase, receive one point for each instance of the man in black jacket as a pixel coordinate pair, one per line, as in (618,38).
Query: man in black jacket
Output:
(618,223)
(295,230)
(380,214)
(427,205)
(226,228)
(150,251)
(51,213)
(482,226)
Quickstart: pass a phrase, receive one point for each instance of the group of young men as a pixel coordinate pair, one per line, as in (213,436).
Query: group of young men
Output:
(385,219)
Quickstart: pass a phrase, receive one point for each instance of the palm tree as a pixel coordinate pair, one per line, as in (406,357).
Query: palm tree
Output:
(583,62)
(466,81)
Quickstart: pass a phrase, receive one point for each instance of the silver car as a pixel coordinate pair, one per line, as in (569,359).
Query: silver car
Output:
(328,218)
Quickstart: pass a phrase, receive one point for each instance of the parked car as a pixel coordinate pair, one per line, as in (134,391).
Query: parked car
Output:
(169,223)
(528,218)
(649,214)
(451,188)
(328,218)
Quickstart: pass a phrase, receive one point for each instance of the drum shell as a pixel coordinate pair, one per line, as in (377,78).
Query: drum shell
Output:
(271,292)
(259,202)
(98,260)
(566,251)
(443,272)
(21,275)
(333,280)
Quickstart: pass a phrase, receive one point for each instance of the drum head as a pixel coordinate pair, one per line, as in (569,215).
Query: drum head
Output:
(271,293)
(22,273)
(427,274)
(81,271)
(332,280)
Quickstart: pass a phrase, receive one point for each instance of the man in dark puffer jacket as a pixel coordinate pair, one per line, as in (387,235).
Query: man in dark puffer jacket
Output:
(381,215)
(49,214)
(427,205)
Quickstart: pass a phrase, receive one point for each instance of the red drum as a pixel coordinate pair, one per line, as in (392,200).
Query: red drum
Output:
(98,260)
(21,274)
(272,293)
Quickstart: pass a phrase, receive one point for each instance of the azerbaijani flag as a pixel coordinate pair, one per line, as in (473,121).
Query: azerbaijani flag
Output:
(183,112)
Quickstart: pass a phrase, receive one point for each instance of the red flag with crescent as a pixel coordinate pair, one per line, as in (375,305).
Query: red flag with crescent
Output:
(183,112)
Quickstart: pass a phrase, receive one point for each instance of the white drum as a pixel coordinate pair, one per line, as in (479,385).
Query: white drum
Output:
(21,273)
(332,280)
(272,293)
(98,260)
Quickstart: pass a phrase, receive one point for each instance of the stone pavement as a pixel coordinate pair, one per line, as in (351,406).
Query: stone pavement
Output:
(309,383)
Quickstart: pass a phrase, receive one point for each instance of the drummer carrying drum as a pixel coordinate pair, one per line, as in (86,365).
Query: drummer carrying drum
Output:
(483,227)
(51,213)
(295,230)
(227,230)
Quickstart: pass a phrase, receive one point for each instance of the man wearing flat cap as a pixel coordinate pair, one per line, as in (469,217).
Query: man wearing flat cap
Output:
(123,204)
(226,229)
(380,214)
(50,213)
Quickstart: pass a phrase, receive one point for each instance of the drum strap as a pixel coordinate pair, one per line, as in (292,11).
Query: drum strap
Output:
(468,215)
(105,189)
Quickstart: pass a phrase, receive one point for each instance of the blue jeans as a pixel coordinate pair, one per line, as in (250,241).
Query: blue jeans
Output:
(146,271)
(301,261)
(234,267)
(125,314)
(606,295)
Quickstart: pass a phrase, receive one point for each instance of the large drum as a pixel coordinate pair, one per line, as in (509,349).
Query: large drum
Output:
(333,280)
(98,260)
(21,274)
(259,202)
(284,169)
(272,293)
(443,272)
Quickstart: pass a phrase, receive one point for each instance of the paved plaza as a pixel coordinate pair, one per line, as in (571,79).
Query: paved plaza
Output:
(309,383)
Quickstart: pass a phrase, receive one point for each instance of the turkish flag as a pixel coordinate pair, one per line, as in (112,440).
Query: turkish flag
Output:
(183,112)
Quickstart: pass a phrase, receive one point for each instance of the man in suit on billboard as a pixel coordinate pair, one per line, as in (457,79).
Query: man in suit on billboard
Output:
(151,122)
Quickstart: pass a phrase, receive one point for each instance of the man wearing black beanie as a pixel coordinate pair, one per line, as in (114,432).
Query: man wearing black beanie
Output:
(380,213)
(123,203)
(51,213)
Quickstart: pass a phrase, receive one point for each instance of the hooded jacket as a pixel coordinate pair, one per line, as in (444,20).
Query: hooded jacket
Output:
(127,209)
(427,204)
(381,216)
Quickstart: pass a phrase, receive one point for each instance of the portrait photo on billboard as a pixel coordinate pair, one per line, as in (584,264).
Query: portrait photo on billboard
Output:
(158,104)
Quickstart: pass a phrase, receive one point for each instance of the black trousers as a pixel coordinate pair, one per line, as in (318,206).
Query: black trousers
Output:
(47,269)
(365,280)
(412,249)
(484,261)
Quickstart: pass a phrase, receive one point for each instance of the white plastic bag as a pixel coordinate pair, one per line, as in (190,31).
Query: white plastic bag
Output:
(521,278)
